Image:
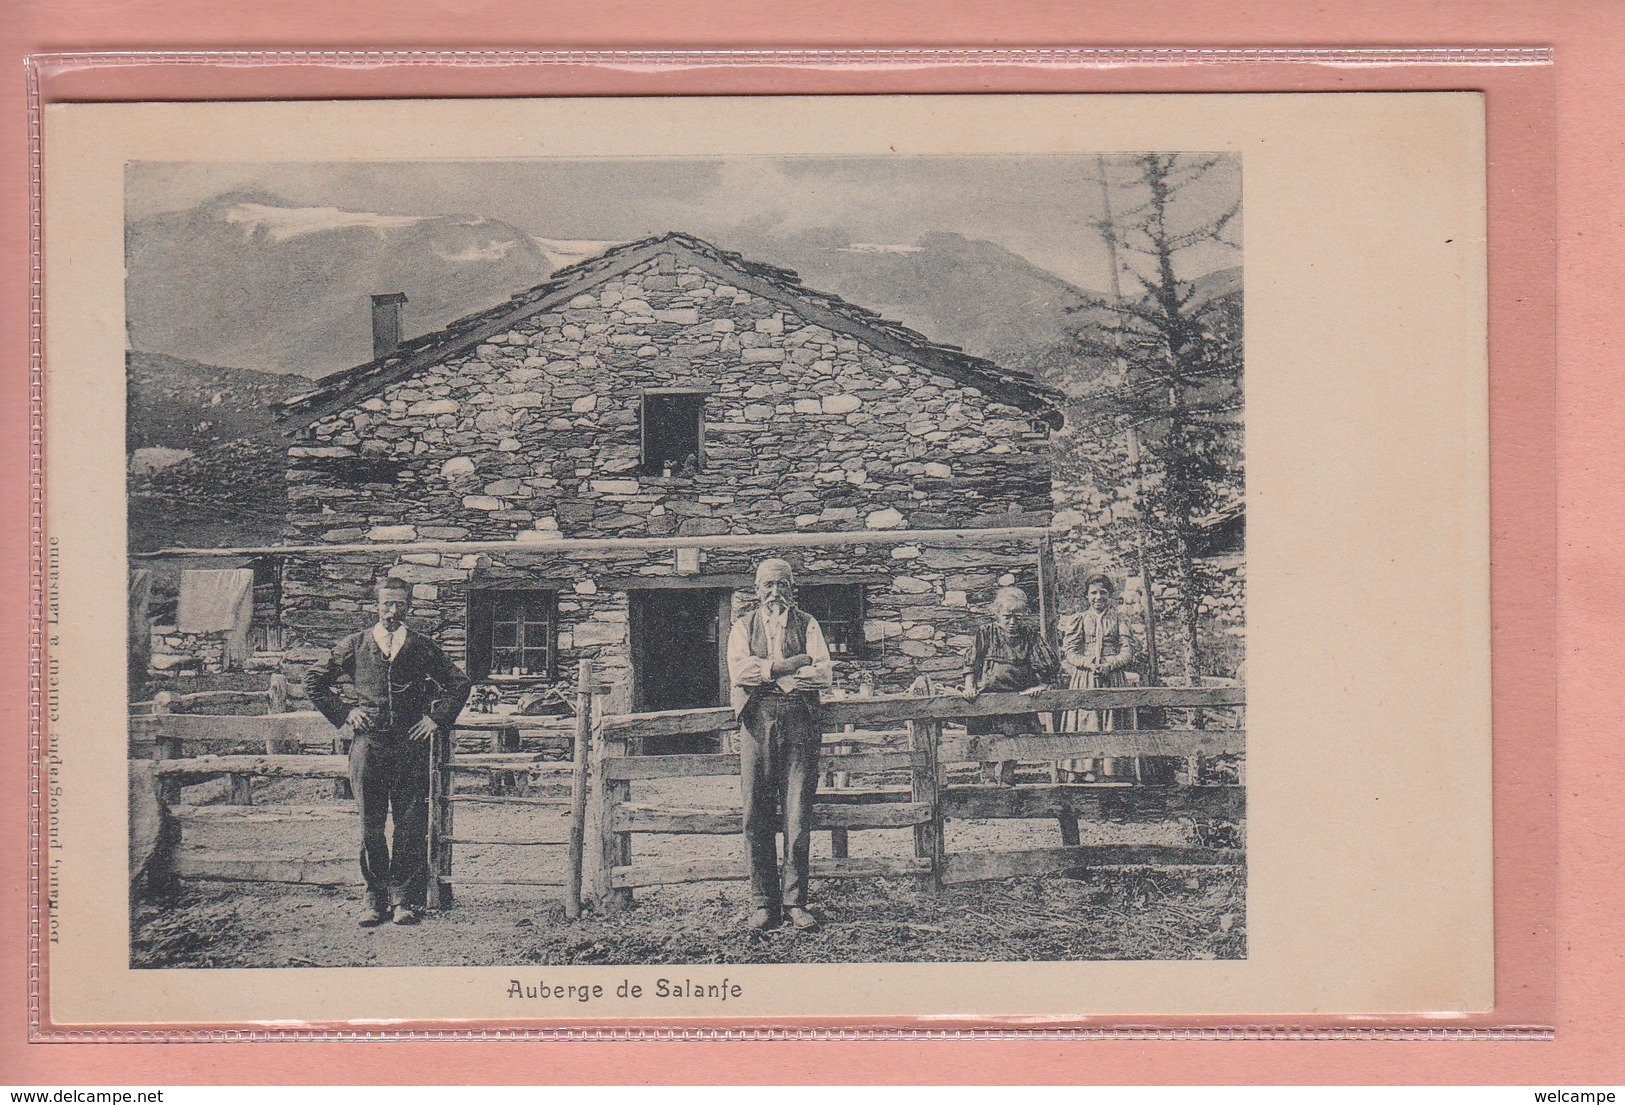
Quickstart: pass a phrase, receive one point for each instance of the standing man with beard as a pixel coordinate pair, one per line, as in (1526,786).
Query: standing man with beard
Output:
(407,693)
(777,662)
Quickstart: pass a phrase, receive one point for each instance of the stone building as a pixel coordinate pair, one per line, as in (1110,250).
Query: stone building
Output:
(592,469)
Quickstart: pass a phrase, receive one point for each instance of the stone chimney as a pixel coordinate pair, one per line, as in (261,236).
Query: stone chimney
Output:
(386,323)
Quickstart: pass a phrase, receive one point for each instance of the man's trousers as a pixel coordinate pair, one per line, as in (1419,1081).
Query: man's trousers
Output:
(779,743)
(390,776)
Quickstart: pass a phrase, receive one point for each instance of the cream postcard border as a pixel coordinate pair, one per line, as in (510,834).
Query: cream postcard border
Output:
(1369,832)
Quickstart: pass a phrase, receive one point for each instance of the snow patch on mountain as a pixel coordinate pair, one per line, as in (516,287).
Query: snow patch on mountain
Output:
(877,247)
(283,223)
(491,251)
(563,252)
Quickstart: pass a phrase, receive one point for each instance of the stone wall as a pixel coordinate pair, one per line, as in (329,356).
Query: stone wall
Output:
(536,433)
(179,655)
(1081,549)
(1221,622)
(174,653)
(922,600)
(186,654)
(1223,626)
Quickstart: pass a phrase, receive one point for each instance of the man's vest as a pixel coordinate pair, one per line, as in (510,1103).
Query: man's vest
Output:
(795,640)
(419,682)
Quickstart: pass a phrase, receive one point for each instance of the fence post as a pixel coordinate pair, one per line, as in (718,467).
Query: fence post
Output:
(276,702)
(158,874)
(840,846)
(1241,761)
(440,824)
(242,786)
(839,841)
(341,747)
(165,747)
(506,782)
(615,849)
(1191,766)
(1069,824)
(578,789)
(925,778)
(276,695)
(1193,770)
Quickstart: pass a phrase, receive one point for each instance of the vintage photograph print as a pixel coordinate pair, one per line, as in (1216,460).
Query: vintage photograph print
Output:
(706,560)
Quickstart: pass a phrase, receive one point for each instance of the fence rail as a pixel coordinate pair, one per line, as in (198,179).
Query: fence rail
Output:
(1181,744)
(304,745)
(946,707)
(983,866)
(887,764)
(907,779)
(708,870)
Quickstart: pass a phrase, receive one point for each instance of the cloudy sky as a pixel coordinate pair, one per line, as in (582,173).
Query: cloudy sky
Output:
(1044,208)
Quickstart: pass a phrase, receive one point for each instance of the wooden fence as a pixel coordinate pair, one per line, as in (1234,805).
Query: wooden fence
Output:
(888,763)
(304,745)
(902,768)
(559,806)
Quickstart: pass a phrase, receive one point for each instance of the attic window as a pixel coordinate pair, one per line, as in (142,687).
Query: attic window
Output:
(673,423)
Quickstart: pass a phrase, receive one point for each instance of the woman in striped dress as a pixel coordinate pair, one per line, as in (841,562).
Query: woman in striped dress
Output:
(1098,652)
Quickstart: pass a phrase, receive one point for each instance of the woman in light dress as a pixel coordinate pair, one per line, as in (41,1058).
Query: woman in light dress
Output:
(1097,650)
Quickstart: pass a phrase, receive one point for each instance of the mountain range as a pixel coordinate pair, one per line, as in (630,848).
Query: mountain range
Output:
(249,280)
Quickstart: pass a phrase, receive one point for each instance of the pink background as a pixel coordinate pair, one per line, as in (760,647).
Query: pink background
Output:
(1534,656)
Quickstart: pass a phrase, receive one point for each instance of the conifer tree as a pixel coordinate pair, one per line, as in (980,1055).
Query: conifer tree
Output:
(1155,448)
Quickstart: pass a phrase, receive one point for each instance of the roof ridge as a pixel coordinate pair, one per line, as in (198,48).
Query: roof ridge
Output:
(405,358)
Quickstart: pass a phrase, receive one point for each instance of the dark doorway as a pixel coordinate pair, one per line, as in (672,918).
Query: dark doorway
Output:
(679,657)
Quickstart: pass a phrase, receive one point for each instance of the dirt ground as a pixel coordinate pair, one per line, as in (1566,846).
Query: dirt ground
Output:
(1101,914)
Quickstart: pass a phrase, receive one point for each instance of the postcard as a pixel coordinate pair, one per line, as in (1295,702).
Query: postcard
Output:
(792,558)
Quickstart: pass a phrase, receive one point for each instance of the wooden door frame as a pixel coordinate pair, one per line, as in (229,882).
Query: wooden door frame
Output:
(635,649)
(725,623)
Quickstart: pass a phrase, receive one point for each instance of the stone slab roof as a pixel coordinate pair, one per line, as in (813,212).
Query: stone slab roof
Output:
(348,387)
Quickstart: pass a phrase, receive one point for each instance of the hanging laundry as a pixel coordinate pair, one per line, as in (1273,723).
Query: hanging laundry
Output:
(219,601)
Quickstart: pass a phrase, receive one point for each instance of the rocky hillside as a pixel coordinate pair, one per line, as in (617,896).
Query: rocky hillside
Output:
(230,495)
(206,460)
(181,404)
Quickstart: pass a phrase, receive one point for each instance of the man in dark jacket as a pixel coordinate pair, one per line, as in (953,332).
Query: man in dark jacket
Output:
(406,693)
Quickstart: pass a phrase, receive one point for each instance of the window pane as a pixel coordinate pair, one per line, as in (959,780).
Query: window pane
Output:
(839,610)
(511,632)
